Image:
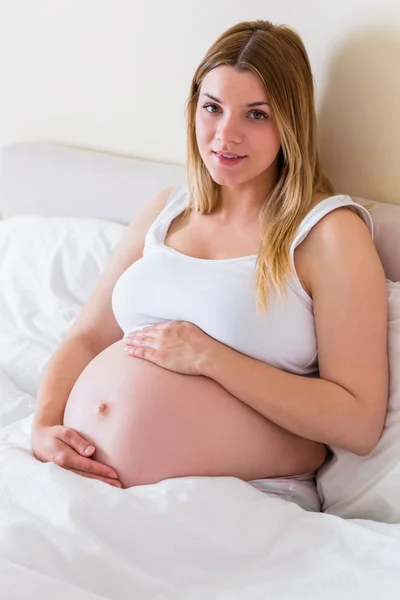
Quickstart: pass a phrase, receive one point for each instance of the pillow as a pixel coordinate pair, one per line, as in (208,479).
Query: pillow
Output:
(368,487)
(48,268)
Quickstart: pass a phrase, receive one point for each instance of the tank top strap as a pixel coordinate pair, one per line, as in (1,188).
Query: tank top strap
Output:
(320,210)
(176,203)
(325,207)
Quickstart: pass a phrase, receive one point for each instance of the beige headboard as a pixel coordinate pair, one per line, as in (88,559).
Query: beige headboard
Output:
(55,180)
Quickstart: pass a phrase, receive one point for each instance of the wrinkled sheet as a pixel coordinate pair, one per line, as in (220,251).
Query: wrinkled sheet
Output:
(197,538)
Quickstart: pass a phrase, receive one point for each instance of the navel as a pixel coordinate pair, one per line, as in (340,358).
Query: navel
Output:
(102,408)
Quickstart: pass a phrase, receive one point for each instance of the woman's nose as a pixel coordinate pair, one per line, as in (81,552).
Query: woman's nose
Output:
(228,131)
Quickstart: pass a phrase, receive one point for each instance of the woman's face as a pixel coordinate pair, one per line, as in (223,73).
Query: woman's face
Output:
(226,123)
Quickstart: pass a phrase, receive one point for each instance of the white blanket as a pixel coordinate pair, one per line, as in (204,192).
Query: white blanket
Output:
(63,536)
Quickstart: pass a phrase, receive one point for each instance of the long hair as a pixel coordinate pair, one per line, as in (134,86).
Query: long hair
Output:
(276,54)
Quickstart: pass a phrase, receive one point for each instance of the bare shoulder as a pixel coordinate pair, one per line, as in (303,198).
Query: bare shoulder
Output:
(342,227)
(325,235)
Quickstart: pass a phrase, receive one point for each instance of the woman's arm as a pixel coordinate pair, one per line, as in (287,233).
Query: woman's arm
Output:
(60,374)
(347,406)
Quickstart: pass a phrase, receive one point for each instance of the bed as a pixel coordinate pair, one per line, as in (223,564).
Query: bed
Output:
(67,537)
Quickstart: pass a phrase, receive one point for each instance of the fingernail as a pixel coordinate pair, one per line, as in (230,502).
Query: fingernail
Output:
(113,475)
(89,449)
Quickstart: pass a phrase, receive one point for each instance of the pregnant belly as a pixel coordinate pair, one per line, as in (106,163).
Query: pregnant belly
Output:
(151,424)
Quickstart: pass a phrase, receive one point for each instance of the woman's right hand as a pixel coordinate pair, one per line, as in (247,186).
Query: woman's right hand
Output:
(66,448)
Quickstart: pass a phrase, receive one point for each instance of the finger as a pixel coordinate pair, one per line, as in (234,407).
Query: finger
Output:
(143,341)
(113,482)
(89,465)
(74,440)
(137,352)
(152,329)
(151,334)
(149,330)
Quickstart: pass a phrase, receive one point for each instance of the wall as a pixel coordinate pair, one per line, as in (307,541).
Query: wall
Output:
(113,75)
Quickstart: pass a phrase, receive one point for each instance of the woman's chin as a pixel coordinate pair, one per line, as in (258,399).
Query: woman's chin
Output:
(228,180)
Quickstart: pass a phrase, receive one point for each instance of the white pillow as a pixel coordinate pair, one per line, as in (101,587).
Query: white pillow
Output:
(48,268)
(368,487)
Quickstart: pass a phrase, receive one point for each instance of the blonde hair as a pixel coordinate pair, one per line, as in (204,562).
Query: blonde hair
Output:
(276,54)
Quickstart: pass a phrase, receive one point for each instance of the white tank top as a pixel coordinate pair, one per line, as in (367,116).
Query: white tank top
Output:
(219,296)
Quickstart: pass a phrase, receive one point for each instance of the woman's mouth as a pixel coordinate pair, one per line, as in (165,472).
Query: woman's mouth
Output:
(229,162)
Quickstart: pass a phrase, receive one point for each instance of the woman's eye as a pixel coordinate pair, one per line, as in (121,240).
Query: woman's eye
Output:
(259,112)
(210,105)
(261,115)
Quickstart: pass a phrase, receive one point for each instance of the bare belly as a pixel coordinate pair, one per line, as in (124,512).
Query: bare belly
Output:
(151,424)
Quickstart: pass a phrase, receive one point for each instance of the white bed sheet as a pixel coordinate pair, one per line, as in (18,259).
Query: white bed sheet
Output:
(66,537)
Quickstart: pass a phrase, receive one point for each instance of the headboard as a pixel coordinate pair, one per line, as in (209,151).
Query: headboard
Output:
(41,178)
(47,179)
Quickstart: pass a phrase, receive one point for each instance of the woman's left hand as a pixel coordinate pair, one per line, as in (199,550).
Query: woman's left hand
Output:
(178,346)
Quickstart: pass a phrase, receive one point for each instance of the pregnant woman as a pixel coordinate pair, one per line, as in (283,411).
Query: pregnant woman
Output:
(240,326)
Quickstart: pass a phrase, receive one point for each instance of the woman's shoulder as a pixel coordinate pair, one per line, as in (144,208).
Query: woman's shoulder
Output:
(327,206)
(329,211)
(329,219)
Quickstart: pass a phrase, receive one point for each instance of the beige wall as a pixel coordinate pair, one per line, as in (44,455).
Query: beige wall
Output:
(114,75)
